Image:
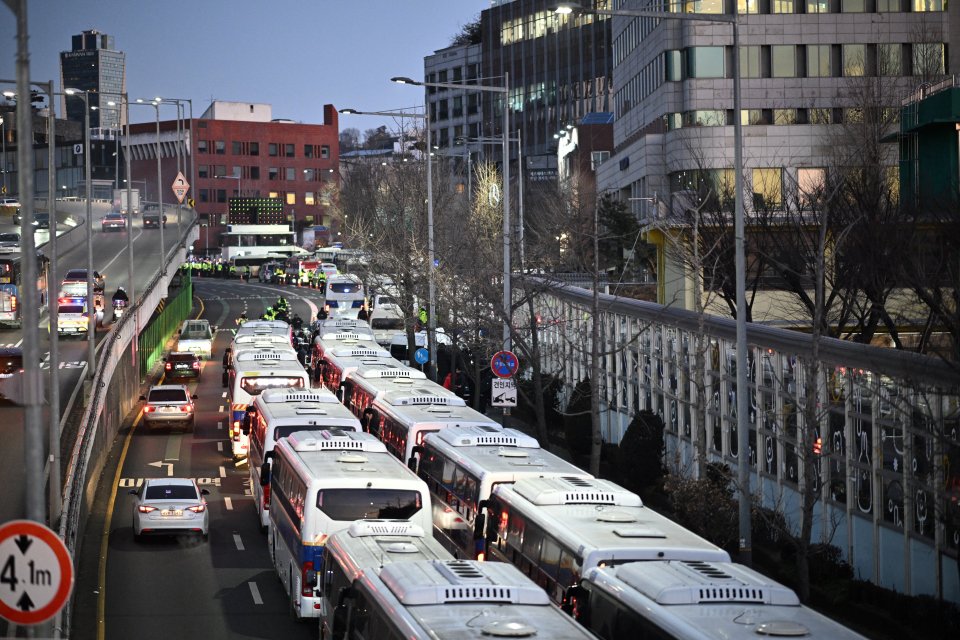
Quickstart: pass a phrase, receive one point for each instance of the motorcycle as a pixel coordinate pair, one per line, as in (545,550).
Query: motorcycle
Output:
(118,307)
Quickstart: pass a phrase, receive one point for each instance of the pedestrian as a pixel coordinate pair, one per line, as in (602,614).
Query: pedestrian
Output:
(363,314)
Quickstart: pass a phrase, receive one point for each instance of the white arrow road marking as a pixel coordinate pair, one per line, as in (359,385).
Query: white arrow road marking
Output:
(255,592)
(159,463)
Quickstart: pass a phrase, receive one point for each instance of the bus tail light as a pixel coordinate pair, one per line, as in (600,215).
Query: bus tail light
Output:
(13,303)
(168,366)
(266,497)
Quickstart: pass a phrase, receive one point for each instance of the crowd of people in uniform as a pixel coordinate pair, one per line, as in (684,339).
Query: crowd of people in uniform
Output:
(214,268)
(272,272)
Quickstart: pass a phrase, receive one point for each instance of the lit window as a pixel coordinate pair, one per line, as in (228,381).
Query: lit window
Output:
(819,116)
(818,6)
(748,6)
(308,198)
(703,6)
(781,6)
(291,198)
(751,116)
(853,6)
(767,188)
(927,5)
(784,116)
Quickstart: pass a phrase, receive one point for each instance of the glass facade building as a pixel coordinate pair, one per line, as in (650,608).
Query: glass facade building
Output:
(94,65)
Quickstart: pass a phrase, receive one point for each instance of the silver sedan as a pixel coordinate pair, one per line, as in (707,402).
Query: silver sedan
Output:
(170,506)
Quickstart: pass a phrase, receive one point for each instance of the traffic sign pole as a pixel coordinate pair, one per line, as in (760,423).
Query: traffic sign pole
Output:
(36,572)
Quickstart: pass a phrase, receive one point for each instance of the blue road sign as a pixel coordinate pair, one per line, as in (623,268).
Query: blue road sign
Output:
(421,355)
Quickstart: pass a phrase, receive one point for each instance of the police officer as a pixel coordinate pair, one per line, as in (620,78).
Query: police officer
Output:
(241,319)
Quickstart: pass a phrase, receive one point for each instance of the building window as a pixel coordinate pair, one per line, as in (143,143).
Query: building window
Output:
(221,195)
(767,188)
(254,173)
(290,174)
(703,6)
(674,121)
(750,62)
(203,171)
(705,62)
(927,5)
(889,60)
(819,116)
(818,61)
(853,115)
(928,59)
(751,117)
(288,150)
(254,148)
(781,6)
(674,61)
(273,174)
(597,158)
(220,171)
(204,195)
(810,186)
(888,6)
(272,149)
(784,116)
(308,151)
(236,148)
(853,6)
(291,197)
(308,199)
(748,6)
(705,118)
(202,146)
(325,151)
(854,56)
(818,6)
(221,147)
(783,61)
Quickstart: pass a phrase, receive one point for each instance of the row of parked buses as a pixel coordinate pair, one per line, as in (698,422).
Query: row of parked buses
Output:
(351,477)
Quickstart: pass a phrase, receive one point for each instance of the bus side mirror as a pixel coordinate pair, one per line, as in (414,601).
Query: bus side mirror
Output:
(348,593)
(264,474)
(575,603)
(480,523)
(412,462)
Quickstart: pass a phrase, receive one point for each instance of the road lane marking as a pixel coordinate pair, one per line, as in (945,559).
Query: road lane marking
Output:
(255,592)
(172,451)
(220,409)
(229,503)
(237,541)
(220,446)
(223,472)
(223,395)
(220,424)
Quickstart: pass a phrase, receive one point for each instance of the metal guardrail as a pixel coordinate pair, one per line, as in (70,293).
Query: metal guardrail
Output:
(76,478)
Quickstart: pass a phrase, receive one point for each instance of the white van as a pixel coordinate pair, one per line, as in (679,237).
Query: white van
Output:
(344,295)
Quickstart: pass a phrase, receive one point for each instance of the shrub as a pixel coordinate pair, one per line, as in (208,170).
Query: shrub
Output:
(639,464)
(577,426)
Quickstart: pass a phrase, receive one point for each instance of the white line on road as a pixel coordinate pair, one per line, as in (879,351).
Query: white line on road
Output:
(229,503)
(223,395)
(220,446)
(255,593)
(223,472)
(237,541)
(220,424)
(220,409)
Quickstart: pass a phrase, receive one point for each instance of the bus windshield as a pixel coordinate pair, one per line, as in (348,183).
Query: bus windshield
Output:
(359,504)
(344,287)
(255,385)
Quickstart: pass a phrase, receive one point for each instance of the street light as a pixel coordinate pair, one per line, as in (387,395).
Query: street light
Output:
(505,90)
(743,432)
(3,141)
(431,255)
(125,101)
(91,303)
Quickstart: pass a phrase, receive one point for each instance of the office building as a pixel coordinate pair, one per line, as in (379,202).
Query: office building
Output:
(94,65)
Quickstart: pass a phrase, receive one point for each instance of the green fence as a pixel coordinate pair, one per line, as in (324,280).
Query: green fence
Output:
(153,339)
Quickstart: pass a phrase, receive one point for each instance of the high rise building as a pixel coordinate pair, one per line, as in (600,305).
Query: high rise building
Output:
(93,65)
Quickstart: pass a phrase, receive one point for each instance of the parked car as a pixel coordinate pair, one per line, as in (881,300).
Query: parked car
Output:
(170,506)
(180,365)
(152,218)
(114,221)
(41,219)
(168,404)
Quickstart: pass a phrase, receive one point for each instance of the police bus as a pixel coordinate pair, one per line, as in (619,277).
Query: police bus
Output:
(12,288)
(338,361)
(253,372)
(276,414)
(362,385)
(695,600)
(344,295)
(370,545)
(555,529)
(462,465)
(448,600)
(320,482)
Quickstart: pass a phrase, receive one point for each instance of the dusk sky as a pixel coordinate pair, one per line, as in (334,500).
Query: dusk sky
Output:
(294,54)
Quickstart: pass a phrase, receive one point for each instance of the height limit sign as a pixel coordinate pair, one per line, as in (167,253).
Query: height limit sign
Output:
(36,572)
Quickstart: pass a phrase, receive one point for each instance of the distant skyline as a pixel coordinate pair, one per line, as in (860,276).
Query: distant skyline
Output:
(295,55)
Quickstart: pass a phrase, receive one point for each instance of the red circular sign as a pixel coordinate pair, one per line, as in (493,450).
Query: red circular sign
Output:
(504,364)
(36,572)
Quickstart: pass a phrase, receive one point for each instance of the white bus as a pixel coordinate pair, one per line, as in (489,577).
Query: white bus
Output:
(462,465)
(402,419)
(253,372)
(369,545)
(278,413)
(673,599)
(320,482)
(448,600)
(341,359)
(344,295)
(555,529)
(362,385)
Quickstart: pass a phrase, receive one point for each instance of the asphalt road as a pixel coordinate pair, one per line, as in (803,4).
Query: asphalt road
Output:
(185,587)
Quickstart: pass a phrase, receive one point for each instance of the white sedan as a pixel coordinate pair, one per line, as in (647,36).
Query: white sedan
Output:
(170,506)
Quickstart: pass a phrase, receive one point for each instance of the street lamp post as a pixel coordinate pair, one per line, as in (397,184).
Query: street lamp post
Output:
(743,427)
(431,254)
(91,302)
(3,141)
(125,100)
(505,91)
(163,253)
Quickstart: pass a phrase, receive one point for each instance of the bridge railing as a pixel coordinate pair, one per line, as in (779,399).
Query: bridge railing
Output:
(888,476)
